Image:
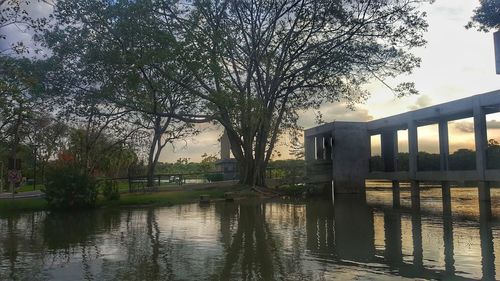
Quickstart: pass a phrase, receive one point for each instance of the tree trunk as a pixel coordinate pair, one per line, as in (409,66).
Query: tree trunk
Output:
(151,162)
(252,172)
(155,150)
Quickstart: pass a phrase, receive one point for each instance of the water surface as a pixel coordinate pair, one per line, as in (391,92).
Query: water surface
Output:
(254,240)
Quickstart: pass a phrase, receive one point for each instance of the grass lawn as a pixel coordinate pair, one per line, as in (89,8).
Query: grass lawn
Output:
(29,187)
(31,204)
(162,198)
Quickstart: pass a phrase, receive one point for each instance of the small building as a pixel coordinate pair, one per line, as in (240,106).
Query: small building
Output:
(226,165)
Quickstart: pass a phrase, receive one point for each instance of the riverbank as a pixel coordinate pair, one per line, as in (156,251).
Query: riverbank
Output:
(154,199)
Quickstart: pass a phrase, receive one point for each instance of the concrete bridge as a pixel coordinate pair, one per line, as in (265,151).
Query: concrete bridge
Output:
(338,154)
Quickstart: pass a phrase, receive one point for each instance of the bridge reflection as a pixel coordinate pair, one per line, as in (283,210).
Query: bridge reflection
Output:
(347,232)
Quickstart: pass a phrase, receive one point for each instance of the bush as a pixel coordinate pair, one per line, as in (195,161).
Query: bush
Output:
(110,190)
(214,177)
(68,187)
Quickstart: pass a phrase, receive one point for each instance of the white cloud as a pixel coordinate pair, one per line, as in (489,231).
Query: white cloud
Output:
(421,102)
(335,112)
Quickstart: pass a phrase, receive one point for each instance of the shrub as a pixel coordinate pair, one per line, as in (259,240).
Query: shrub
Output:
(214,177)
(68,187)
(110,190)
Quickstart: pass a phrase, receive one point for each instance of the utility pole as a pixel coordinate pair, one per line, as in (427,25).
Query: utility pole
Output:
(496,38)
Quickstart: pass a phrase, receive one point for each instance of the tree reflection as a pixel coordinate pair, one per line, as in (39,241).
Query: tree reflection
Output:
(252,250)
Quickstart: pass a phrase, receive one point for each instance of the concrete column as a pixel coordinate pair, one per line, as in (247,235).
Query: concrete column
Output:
(481,139)
(446,197)
(413,148)
(444,145)
(225,146)
(484,197)
(320,148)
(413,151)
(389,149)
(309,148)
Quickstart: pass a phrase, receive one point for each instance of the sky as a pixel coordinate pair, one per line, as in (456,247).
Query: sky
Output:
(456,63)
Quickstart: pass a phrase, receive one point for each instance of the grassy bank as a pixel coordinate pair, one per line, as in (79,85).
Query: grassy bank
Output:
(31,204)
(157,199)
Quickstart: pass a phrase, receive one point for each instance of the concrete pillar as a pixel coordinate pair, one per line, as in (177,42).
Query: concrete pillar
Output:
(413,158)
(413,148)
(389,149)
(309,148)
(444,145)
(225,146)
(444,152)
(320,148)
(481,139)
(446,197)
(484,197)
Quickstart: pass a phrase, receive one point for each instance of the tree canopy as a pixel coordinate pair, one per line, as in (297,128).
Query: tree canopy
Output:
(486,16)
(258,64)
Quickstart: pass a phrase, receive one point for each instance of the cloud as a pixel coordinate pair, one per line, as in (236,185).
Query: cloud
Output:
(464,127)
(468,127)
(205,142)
(421,102)
(334,112)
(493,124)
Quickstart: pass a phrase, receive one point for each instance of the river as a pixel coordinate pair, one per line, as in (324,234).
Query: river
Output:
(257,240)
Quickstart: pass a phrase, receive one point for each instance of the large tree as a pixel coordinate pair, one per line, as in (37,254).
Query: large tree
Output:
(117,51)
(259,63)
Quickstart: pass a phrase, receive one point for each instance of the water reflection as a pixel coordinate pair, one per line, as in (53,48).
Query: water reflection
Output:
(281,240)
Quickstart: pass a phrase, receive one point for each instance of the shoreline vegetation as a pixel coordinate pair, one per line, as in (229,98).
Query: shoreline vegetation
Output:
(147,199)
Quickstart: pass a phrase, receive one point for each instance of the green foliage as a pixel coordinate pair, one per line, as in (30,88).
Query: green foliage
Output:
(102,154)
(212,177)
(69,187)
(486,16)
(110,190)
(493,154)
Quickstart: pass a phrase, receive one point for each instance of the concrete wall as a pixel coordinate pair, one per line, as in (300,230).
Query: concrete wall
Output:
(351,154)
(346,161)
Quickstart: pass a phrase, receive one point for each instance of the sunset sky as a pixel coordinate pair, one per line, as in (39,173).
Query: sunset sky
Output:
(456,63)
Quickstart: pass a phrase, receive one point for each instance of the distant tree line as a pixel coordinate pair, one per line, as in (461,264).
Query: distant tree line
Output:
(460,160)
